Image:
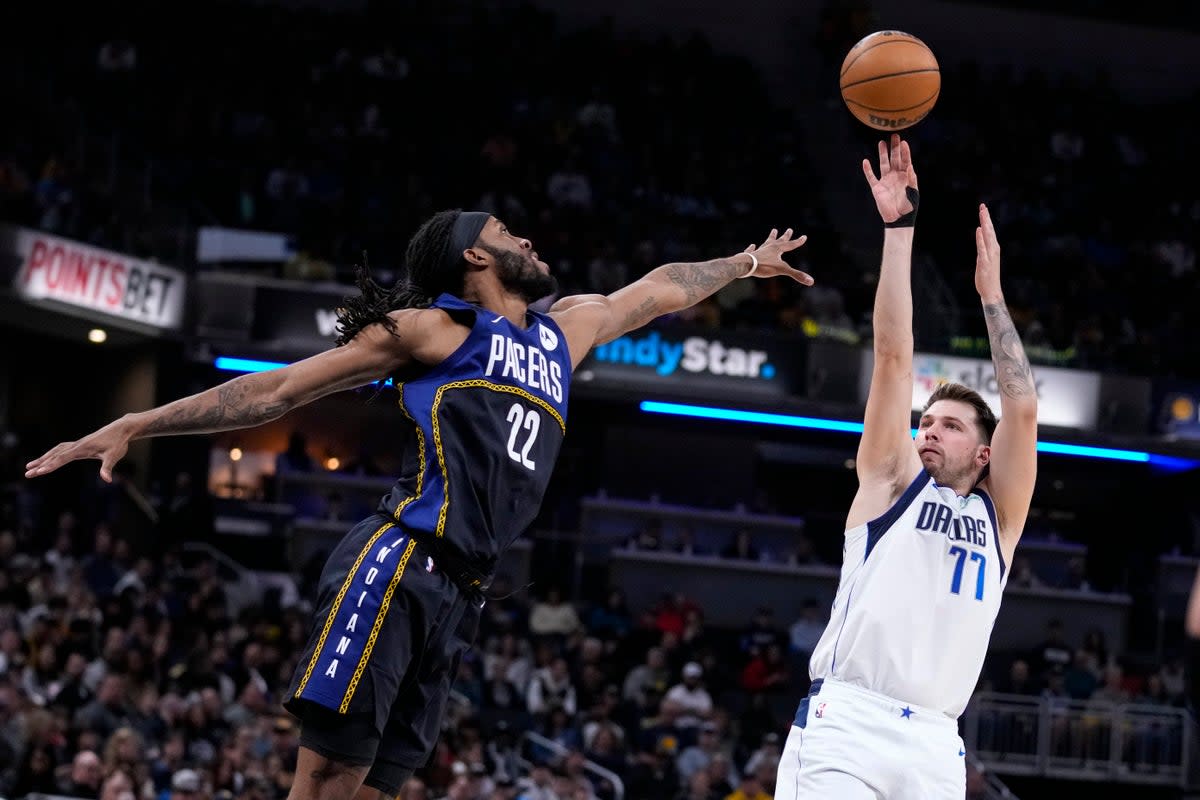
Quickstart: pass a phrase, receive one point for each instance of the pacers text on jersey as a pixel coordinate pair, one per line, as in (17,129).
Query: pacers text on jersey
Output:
(524,364)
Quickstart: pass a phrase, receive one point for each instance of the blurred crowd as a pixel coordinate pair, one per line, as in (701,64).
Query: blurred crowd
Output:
(130,671)
(343,131)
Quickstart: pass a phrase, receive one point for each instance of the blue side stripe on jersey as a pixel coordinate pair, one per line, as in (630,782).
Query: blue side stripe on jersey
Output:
(877,527)
(845,616)
(991,509)
(801,720)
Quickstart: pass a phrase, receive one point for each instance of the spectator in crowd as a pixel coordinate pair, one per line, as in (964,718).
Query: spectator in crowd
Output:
(804,632)
(553,616)
(690,697)
(1053,651)
(551,689)
(652,673)
(741,547)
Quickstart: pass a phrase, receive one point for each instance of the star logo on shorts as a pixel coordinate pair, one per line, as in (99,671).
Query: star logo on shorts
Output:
(906,712)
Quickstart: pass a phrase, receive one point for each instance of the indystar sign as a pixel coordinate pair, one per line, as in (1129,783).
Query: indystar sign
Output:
(695,354)
(698,363)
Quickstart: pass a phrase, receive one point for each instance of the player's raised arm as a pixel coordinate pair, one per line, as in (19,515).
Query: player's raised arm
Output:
(593,319)
(1013,466)
(885,453)
(256,398)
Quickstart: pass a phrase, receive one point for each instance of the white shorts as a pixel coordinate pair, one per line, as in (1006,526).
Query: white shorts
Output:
(854,744)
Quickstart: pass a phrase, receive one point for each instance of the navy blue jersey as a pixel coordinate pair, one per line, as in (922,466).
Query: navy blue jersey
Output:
(489,422)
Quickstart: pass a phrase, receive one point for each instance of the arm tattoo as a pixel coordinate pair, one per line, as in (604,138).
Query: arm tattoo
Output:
(639,316)
(700,280)
(1013,372)
(230,405)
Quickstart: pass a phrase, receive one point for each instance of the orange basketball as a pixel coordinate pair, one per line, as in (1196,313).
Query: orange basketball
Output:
(890,80)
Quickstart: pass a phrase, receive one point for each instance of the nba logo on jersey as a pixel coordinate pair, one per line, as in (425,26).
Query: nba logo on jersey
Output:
(548,337)
(820,712)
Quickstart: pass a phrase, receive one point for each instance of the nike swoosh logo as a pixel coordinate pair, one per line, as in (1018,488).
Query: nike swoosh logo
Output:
(497,319)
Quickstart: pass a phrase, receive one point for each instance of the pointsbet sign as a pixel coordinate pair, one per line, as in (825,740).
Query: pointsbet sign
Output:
(53,268)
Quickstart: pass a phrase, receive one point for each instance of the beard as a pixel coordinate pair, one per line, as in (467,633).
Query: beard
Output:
(520,275)
(952,474)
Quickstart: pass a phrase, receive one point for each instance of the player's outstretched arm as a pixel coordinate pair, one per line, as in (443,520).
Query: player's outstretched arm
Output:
(590,320)
(1012,471)
(248,400)
(886,457)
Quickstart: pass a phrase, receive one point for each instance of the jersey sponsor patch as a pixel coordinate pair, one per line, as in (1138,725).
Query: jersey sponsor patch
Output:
(548,338)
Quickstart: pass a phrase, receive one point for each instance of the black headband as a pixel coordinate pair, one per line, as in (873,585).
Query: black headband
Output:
(464,234)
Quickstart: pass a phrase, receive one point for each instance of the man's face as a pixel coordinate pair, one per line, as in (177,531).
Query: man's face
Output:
(517,265)
(948,442)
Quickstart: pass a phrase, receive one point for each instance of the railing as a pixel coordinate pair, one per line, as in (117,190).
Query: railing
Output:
(1079,740)
(993,787)
(588,766)
(244,587)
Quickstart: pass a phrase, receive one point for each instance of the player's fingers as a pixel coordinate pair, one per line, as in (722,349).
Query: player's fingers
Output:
(989,230)
(884,166)
(870,173)
(800,277)
(774,234)
(798,241)
(985,218)
(45,462)
(41,466)
(106,468)
(750,249)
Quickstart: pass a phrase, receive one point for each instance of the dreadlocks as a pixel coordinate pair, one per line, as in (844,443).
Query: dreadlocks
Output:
(428,274)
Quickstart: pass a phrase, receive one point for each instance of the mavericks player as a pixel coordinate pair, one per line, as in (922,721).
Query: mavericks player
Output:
(929,538)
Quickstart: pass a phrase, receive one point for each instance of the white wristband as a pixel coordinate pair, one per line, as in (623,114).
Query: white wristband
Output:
(753,265)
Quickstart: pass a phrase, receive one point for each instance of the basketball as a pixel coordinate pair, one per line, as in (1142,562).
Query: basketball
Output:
(890,80)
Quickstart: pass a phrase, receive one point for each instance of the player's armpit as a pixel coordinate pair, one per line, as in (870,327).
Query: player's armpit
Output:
(585,319)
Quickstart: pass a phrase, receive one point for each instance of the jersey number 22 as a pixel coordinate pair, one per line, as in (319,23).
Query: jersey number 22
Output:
(522,419)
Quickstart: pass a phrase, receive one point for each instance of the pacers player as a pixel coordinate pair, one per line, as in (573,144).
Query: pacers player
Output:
(929,538)
(484,382)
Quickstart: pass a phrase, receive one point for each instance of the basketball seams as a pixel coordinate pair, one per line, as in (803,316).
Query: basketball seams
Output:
(929,99)
(882,41)
(874,78)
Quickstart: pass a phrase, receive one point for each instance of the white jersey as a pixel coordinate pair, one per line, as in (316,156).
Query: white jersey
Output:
(918,596)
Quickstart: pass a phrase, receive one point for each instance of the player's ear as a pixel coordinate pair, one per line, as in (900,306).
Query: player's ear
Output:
(477,258)
(983,455)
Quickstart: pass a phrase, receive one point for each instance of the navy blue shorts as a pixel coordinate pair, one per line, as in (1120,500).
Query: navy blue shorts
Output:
(388,633)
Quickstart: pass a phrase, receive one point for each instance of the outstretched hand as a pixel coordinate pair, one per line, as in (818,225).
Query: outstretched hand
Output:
(896,176)
(987,258)
(109,444)
(770,257)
